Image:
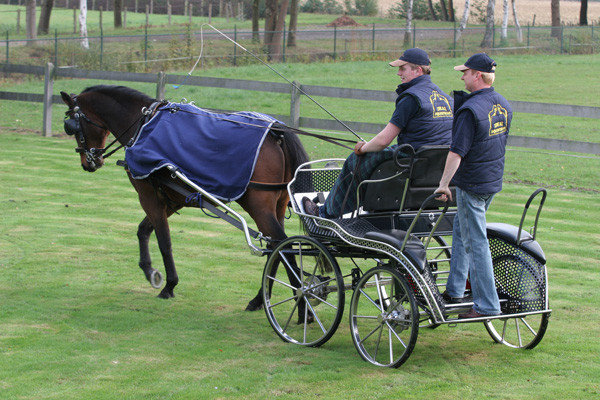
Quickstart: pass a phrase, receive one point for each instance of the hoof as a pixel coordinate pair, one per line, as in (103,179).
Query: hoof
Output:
(156,279)
(165,295)
(309,319)
(254,305)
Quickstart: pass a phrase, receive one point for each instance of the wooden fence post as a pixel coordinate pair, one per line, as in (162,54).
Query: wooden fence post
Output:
(74,20)
(295,105)
(100,9)
(169,12)
(160,85)
(48,89)
(19,22)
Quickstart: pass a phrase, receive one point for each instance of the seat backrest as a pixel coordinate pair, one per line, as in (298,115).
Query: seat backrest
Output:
(427,169)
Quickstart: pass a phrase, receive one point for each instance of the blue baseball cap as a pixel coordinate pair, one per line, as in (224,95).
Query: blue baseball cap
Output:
(414,56)
(479,62)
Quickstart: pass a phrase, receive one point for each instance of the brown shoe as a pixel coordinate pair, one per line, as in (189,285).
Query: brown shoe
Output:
(310,207)
(473,314)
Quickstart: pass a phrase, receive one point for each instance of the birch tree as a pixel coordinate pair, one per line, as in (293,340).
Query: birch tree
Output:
(463,21)
(489,24)
(83,24)
(517,24)
(504,32)
(409,17)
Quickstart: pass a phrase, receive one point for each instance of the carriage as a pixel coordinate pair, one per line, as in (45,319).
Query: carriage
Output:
(393,248)
(400,229)
(396,245)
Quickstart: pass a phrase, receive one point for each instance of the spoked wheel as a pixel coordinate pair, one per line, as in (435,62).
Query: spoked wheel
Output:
(521,332)
(303,291)
(384,317)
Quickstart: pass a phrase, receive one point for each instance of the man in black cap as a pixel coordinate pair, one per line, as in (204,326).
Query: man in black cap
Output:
(475,164)
(423,116)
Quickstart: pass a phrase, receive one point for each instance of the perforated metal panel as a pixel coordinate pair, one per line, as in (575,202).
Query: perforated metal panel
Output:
(520,278)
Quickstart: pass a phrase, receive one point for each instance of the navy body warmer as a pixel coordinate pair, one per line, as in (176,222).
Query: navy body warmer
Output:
(432,125)
(481,169)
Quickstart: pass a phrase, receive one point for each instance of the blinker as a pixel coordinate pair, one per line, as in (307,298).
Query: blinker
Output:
(72,126)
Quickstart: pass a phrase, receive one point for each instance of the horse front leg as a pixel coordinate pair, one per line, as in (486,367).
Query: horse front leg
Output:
(153,276)
(157,214)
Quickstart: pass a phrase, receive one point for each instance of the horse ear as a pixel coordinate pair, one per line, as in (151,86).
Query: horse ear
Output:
(67,99)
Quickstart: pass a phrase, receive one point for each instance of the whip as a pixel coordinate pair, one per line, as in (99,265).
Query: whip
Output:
(265,64)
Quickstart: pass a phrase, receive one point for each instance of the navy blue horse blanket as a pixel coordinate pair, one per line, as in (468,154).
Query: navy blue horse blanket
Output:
(218,152)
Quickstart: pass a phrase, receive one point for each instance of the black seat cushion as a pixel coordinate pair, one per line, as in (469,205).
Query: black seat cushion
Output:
(428,167)
(509,233)
(414,248)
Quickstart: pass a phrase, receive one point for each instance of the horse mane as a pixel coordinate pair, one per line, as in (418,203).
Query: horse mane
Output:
(120,91)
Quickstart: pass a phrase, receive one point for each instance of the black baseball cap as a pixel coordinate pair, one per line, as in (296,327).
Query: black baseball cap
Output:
(479,62)
(414,56)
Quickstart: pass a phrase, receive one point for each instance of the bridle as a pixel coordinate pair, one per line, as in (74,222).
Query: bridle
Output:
(72,127)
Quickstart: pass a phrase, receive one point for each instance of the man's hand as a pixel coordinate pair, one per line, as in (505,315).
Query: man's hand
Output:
(444,193)
(359,146)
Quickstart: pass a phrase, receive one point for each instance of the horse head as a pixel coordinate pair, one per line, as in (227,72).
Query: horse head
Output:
(89,131)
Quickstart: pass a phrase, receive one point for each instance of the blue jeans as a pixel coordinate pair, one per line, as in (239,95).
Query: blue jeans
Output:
(471,253)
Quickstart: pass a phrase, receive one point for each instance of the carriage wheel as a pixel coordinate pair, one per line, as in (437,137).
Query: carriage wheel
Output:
(520,332)
(384,317)
(303,291)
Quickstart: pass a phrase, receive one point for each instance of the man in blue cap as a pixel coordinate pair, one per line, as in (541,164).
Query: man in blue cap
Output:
(423,116)
(475,164)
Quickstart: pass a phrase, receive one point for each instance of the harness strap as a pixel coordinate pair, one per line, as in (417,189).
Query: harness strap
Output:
(267,186)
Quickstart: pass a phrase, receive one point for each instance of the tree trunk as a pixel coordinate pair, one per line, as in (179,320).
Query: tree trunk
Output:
(30,21)
(293,23)
(505,11)
(270,22)
(451,10)
(583,13)
(83,24)
(555,11)
(44,22)
(276,47)
(255,27)
(444,10)
(118,8)
(517,24)
(464,19)
(489,24)
(432,10)
(409,17)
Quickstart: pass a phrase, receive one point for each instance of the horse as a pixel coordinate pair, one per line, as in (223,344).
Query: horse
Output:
(103,109)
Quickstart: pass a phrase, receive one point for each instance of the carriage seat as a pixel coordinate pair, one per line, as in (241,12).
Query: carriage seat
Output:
(423,173)
(414,249)
(509,233)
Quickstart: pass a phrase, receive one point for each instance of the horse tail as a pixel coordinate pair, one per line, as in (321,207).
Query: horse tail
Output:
(294,149)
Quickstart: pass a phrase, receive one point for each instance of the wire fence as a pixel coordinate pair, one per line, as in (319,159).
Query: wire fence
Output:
(146,52)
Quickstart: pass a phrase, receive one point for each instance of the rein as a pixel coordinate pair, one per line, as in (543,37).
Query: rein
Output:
(325,138)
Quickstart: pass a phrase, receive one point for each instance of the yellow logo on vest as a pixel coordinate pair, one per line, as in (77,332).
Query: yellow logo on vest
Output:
(498,118)
(440,104)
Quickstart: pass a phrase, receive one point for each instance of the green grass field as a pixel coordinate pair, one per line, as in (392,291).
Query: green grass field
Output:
(78,320)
